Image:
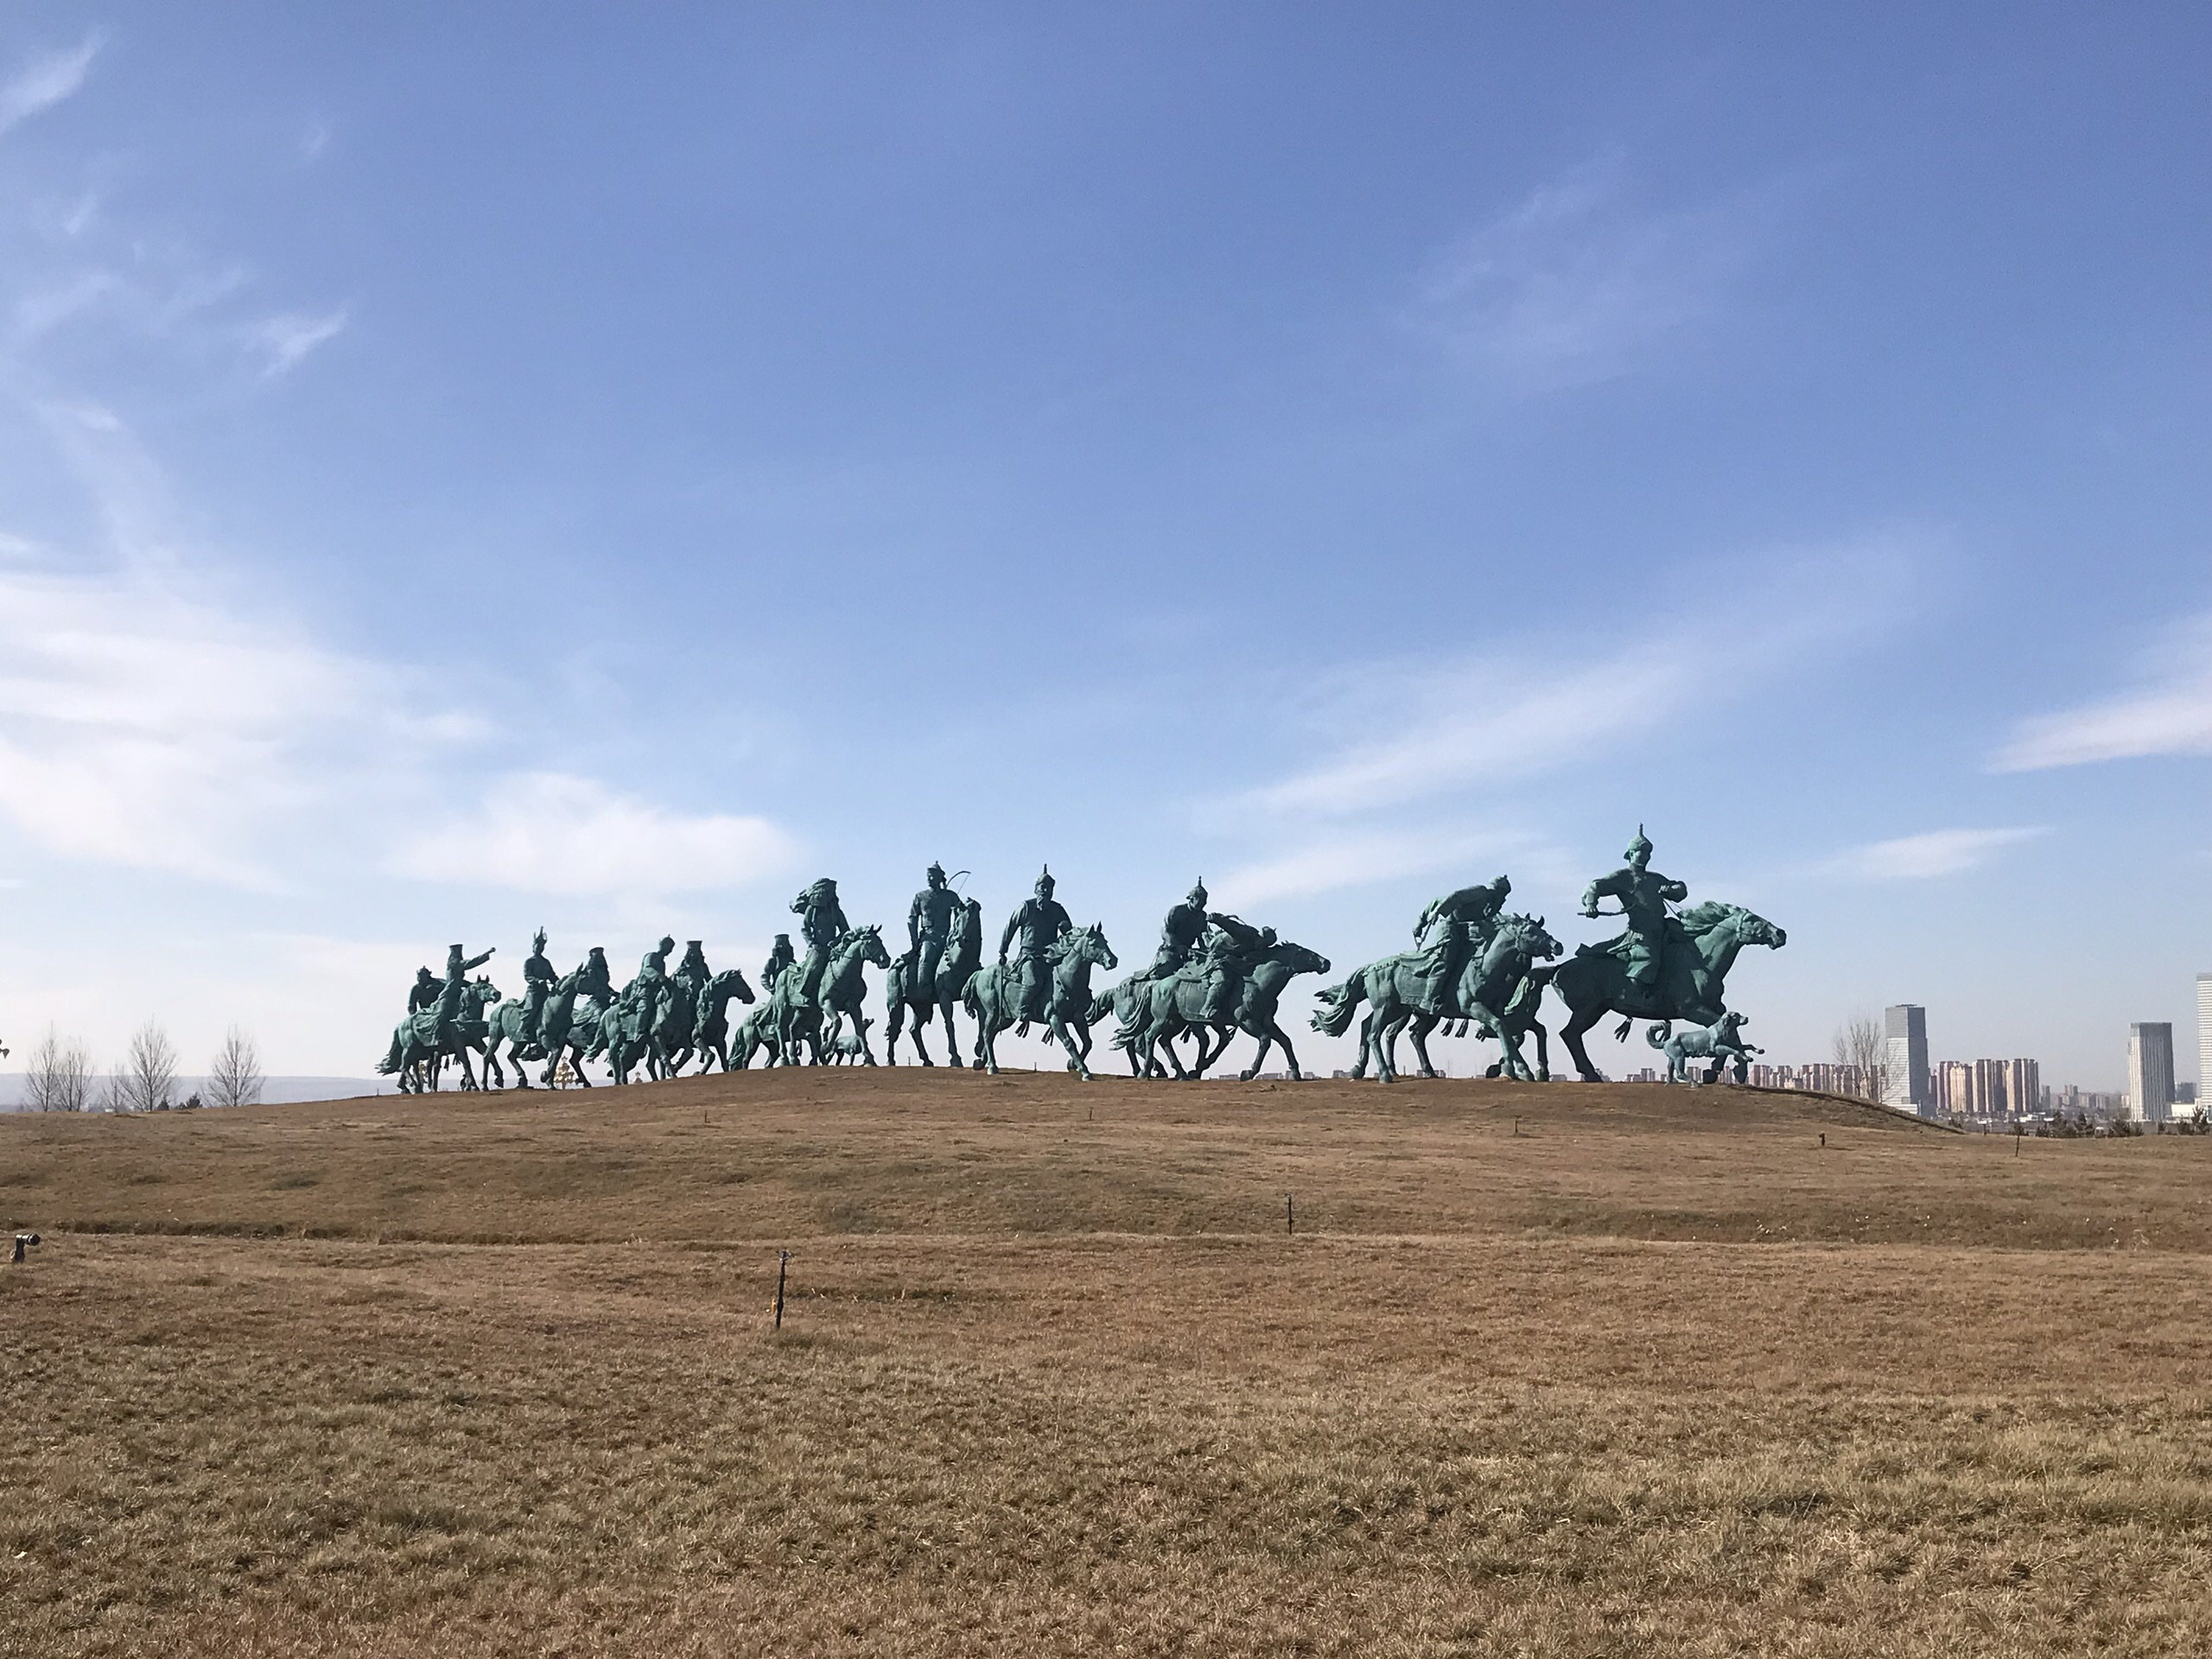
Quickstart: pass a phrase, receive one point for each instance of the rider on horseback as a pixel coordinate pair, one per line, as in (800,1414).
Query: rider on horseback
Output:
(780,957)
(821,923)
(423,992)
(538,981)
(595,980)
(1645,896)
(929,926)
(1468,918)
(1230,952)
(455,987)
(1182,933)
(692,973)
(1040,923)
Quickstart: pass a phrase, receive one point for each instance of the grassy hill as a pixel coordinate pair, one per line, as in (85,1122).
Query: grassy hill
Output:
(1614,1369)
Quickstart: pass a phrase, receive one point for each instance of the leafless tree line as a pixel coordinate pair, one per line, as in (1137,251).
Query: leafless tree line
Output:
(1862,1042)
(58,1075)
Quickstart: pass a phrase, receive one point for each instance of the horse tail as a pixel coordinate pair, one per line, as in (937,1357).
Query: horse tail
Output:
(1657,1035)
(1333,1017)
(970,998)
(1100,1006)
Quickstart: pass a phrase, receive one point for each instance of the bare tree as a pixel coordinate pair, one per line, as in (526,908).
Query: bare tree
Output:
(1861,1042)
(147,1077)
(58,1077)
(235,1079)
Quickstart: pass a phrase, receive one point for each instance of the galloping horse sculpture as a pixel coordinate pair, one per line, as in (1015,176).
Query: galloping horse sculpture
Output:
(1687,987)
(993,994)
(1158,1011)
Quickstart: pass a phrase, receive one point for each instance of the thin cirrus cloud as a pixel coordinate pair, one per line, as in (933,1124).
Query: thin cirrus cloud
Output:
(554,833)
(141,725)
(284,340)
(1332,862)
(1511,716)
(1576,284)
(2171,713)
(47,79)
(1931,853)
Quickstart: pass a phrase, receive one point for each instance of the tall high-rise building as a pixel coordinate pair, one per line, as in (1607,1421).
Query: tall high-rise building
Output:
(2203,1036)
(1954,1090)
(2151,1071)
(2023,1088)
(1905,1028)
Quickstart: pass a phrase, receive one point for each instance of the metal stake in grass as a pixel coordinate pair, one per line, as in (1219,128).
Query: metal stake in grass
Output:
(1289,1215)
(22,1241)
(783,1264)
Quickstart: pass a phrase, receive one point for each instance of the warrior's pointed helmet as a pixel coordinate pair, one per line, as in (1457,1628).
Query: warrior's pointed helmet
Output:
(537,941)
(935,873)
(1198,892)
(1045,883)
(1641,847)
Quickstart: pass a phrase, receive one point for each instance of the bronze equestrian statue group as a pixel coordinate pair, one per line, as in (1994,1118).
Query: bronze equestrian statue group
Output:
(1476,969)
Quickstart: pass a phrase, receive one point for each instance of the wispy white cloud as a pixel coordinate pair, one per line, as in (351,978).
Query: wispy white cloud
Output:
(1514,713)
(553,833)
(1933,853)
(143,725)
(148,720)
(1577,283)
(283,340)
(1333,861)
(47,79)
(2170,712)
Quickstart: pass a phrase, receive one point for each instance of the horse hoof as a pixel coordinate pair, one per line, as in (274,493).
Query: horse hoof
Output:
(1246,1076)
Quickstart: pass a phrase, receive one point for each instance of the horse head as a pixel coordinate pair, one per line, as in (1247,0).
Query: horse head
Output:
(1297,958)
(867,943)
(730,982)
(1084,947)
(485,992)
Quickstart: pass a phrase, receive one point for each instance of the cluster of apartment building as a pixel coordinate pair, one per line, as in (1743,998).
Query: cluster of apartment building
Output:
(2008,1089)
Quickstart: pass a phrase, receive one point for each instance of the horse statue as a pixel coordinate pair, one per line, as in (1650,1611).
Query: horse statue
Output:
(510,1024)
(994,996)
(1500,989)
(420,1047)
(964,954)
(1172,1005)
(843,988)
(566,1033)
(710,1020)
(755,1034)
(1687,987)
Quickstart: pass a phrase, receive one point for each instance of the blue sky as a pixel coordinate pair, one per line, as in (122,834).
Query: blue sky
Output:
(468,467)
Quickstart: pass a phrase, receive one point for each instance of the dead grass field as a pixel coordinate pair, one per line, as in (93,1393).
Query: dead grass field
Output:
(1657,1374)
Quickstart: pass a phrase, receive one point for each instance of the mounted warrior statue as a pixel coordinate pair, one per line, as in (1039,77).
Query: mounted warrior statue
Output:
(431,1033)
(821,923)
(780,957)
(1038,925)
(915,984)
(516,1023)
(1666,966)
(1476,910)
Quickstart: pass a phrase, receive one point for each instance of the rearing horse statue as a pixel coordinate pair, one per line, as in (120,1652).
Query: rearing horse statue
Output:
(1593,982)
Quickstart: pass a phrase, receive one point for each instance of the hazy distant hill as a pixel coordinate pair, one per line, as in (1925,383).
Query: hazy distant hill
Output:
(276,1091)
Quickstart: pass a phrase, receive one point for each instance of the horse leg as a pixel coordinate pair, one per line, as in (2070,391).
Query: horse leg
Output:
(1418,1027)
(1543,1051)
(1366,1043)
(1579,1021)
(1265,1038)
(1289,1054)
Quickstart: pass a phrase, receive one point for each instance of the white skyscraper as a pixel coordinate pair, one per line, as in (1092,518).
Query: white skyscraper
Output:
(1904,1030)
(2203,1036)
(2151,1071)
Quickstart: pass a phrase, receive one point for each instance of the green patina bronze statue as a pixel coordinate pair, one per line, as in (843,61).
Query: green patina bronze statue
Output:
(1037,926)
(1668,966)
(945,946)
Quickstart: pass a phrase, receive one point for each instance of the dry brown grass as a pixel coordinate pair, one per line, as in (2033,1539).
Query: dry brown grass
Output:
(1053,1380)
